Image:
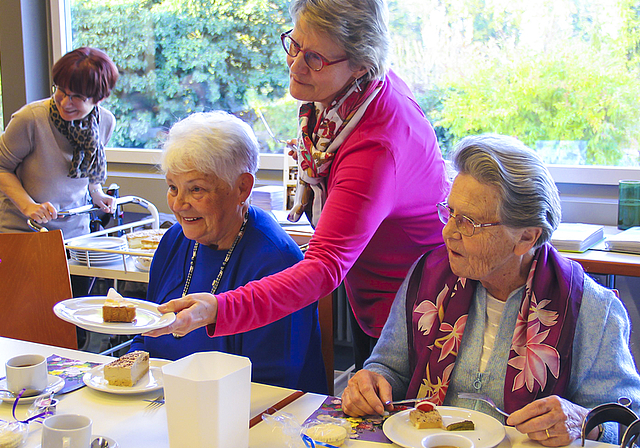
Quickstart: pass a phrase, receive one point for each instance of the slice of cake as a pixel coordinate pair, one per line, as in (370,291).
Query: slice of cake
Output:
(464,425)
(117,309)
(150,242)
(424,420)
(128,369)
(141,238)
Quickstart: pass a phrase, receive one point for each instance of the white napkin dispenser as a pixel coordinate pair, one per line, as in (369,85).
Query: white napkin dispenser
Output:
(208,398)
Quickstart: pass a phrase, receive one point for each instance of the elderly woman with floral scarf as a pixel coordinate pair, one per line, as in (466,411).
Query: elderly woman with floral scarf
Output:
(52,152)
(497,310)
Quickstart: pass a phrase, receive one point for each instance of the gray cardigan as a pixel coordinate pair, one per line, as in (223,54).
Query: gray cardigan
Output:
(602,367)
(33,149)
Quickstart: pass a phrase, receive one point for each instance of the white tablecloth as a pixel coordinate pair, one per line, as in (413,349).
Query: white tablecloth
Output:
(125,419)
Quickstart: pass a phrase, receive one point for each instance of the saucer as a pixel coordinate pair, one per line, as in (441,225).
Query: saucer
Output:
(112,443)
(55,385)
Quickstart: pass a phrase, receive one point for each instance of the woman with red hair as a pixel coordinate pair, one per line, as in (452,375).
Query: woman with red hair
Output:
(52,152)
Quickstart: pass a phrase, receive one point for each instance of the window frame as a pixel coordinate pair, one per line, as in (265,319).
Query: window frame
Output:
(564,174)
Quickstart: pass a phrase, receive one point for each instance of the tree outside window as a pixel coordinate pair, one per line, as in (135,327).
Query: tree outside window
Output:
(561,75)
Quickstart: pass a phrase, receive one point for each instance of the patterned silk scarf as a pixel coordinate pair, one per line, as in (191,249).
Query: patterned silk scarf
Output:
(320,134)
(540,358)
(89,159)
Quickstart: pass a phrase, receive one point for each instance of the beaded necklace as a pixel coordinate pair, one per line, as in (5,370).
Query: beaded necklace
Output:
(216,282)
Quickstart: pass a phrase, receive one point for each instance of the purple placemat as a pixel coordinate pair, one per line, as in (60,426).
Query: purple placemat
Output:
(71,370)
(367,428)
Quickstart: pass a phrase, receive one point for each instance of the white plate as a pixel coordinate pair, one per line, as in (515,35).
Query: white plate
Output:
(98,242)
(86,312)
(96,257)
(142,263)
(106,262)
(151,381)
(55,385)
(488,433)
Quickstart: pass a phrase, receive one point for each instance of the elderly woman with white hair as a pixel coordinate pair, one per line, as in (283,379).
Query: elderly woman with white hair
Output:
(497,310)
(221,242)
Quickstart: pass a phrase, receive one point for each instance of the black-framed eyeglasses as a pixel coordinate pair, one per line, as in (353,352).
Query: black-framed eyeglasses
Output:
(314,61)
(465,225)
(77,99)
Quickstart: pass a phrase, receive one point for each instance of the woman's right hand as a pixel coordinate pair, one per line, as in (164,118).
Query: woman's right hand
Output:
(293,148)
(192,311)
(366,394)
(41,213)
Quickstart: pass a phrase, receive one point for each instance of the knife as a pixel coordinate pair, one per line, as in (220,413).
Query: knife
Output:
(407,401)
(276,407)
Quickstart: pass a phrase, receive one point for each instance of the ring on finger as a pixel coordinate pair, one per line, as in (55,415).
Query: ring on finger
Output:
(547,431)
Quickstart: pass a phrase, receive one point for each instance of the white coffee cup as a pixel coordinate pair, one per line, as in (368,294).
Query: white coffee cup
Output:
(66,431)
(27,372)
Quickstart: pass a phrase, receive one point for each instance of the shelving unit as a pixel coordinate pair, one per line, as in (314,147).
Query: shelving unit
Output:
(289,180)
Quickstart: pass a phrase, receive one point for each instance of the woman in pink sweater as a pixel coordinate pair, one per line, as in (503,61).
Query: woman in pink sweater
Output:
(371,176)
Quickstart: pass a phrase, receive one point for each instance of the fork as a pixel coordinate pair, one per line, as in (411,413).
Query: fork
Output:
(482,397)
(155,403)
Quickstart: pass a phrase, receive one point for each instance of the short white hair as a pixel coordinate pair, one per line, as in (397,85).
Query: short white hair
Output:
(215,143)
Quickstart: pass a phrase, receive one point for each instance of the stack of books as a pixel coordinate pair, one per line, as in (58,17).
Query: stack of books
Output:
(576,237)
(270,197)
(627,241)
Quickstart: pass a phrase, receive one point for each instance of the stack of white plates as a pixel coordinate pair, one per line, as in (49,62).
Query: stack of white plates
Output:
(270,197)
(97,258)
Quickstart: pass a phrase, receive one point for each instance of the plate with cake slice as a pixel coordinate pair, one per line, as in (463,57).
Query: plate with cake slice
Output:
(132,373)
(400,429)
(113,314)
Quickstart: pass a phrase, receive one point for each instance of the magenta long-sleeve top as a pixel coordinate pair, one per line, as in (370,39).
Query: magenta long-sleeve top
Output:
(379,217)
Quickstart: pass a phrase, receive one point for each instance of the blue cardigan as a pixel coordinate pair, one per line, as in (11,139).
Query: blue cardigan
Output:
(602,367)
(285,353)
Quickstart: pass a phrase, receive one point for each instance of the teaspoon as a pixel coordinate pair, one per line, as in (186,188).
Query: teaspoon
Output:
(100,442)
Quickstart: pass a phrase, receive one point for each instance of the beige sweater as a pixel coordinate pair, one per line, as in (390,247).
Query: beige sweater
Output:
(33,149)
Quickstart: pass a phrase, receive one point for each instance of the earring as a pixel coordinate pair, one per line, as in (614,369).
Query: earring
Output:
(242,203)
(358,88)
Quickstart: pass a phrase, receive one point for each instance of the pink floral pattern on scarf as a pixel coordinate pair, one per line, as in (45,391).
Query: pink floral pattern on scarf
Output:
(540,358)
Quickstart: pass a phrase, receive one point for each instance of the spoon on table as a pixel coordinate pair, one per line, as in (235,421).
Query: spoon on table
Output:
(100,442)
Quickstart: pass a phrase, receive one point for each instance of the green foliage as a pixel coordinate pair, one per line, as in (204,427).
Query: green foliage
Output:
(567,95)
(473,65)
(177,57)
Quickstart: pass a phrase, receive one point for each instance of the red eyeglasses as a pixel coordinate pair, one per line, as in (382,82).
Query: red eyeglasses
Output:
(314,61)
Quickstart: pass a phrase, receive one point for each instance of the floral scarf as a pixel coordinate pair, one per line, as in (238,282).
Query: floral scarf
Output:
(320,134)
(89,159)
(540,358)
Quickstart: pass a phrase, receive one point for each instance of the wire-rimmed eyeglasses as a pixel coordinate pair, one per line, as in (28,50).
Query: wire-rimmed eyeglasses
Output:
(465,225)
(77,99)
(314,61)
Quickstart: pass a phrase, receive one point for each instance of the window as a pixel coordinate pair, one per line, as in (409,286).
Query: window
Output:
(180,57)
(561,75)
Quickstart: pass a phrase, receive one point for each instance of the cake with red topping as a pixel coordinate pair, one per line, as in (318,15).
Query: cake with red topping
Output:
(426,416)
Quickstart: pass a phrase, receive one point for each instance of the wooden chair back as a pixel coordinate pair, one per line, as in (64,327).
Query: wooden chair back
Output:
(34,276)
(325,316)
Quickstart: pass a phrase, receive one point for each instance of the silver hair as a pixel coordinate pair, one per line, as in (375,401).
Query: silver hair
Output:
(529,196)
(361,27)
(215,143)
